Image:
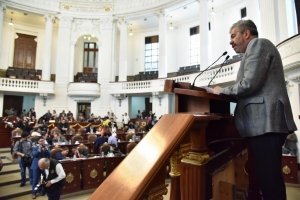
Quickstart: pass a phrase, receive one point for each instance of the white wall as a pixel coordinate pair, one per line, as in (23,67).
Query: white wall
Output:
(137,103)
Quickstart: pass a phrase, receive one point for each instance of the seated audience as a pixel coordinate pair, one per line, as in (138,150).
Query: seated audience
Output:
(58,139)
(101,139)
(112,139)
(62,155)
(114,150)
(35,132)
(63,126)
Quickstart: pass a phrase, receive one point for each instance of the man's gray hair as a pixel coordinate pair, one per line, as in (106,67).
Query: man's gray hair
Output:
(243,25)
(46,161)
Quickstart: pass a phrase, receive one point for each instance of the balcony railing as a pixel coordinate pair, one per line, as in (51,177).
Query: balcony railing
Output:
(27,86)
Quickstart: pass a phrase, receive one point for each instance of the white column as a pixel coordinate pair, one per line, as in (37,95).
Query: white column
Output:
(123,50)
(282,21)
(253,12)
(2,11)
(63,49)
(162,38)
(62,63)
(269,20)
(72,56)
(204,42)
(50,20)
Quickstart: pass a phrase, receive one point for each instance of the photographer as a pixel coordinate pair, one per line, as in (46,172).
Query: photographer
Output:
(41,150)
(23,148)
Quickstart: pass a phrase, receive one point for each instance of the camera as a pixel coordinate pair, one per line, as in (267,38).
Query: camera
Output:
(38,186)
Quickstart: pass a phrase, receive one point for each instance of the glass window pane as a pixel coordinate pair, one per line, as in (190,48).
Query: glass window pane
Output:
(154,45)
(148,59)
(85,59)
(91,59)
(148,46)
(154,52)
(154,65)
(96,46)
(148,53)
(147,66)
(154,58)
(92,45)
(86,45)
(96,59)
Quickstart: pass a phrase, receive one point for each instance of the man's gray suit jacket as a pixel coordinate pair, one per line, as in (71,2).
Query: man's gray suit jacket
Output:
(263,104)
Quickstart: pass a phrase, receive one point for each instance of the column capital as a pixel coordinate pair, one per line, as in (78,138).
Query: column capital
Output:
(123,21)
(161,13)
(49,18)
(2,7)
(65,21)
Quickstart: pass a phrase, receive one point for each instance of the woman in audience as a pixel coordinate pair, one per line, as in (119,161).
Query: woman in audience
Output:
(33,120)
(54,115)
(62,155)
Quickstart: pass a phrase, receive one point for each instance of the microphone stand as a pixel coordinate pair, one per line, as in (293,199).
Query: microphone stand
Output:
(218,70)
(207,69)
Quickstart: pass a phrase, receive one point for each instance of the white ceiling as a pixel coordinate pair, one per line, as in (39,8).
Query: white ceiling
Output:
(185,11)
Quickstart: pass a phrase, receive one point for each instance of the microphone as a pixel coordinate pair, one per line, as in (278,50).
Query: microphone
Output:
(207,69)
(227,57)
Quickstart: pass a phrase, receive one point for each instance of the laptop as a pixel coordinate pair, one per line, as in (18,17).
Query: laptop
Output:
(137,138)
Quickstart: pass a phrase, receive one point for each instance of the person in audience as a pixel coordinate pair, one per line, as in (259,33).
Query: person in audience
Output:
(69,114)
(32,120)
(54,114)
(113,149)
(9,112)
(99,119)
(22,148)
(125,120)
(91,119)
(144,114)
(27,128)
(112,139)
(35,132)
(106,122)
(54,175)
(290,145)
(98,131)
(62,155)
(47,139)
(19,123)
(113,130)
(113,116)
(41,150)
(91,129)
(63,126)
(263,114)
(80,117)
(101,139)
(74,152)
(112,122)
(62,114)
(58,139)
(48,114)
(29,114)
(83,153)
(33,112)
(43,126)
(108,114)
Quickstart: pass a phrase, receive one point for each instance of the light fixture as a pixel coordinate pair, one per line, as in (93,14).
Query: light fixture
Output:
(93,35)
(120,97)
(44,97)
(212,8)
(84,37)
(159,96)
(130,33)
(89,38)
(171,24)
(11,22)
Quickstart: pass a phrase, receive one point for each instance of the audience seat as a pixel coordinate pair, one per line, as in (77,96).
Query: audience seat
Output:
(82,131)
(104,148)
(92,138)
(54,151)
(55,129)
(129,136)
(16,131)
(130,146)
(78,138)
(23,73)
(71,130)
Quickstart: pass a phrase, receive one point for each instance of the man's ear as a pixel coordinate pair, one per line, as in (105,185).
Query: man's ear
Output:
(247,34)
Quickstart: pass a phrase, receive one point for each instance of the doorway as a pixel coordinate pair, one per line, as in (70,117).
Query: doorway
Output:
(85,108)
(11,101)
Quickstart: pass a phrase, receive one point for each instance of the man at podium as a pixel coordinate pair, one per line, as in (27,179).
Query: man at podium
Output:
(263,113)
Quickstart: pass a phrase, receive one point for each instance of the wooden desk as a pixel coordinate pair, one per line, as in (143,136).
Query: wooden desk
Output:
(92,172)
(73,175)
(122,146)
(112,163)
(290,169)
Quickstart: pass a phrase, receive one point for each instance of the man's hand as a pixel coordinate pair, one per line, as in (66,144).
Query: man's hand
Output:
(48,184)
(216,89)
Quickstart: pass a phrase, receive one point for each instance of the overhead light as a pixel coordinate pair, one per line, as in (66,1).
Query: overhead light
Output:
(84,37)
(130,33)
(89,38)
(171,24)
(11,22)
(212,8)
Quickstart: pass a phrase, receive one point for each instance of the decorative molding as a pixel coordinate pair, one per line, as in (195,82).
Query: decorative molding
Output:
(158,195)
(289,48)
(83,99)
(195,158)
(175,160)
(65,21)
(2,7)
(84,91)
(161,13)
(106,23)
(50,18)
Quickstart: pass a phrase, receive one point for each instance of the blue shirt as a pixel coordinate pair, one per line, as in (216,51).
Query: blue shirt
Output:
(113,140)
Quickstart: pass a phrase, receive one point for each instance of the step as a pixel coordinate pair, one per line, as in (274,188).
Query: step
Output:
(14,190)
(10,178)
(11,168)
(5,150)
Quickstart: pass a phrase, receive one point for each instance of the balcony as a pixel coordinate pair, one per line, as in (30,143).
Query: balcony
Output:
(26,86)
(84,92)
